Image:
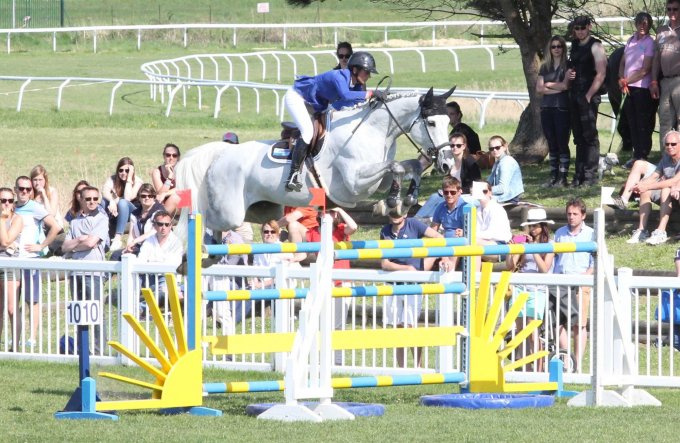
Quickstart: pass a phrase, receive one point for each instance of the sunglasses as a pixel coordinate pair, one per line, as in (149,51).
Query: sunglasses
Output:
(449,192)
(268,231)
(6,200)
(163,224)
(23,189)
(343,56)
(556,46)
(457,145)
(144,196)
(126,170)
(171,155)
(670,144)
(579,28)
(495,148)
(91,199)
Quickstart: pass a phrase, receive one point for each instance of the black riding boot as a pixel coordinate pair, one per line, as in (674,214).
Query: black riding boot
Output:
(293,182)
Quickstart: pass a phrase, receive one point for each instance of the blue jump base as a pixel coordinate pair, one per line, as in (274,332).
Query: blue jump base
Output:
(357,409)
(488,401)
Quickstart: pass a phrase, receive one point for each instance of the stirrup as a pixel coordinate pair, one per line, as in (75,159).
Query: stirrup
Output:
(293,183)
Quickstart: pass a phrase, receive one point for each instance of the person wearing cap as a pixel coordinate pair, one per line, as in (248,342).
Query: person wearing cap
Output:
(404,311)
(588,69)
(230,137)
(336,88)
(536,230)
(576,230)
(665,83)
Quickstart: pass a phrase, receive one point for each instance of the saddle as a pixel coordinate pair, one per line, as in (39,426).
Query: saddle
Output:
(282,149)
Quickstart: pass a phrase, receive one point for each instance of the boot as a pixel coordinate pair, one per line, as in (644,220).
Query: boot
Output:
(293,182)
(562,180)
(552,181)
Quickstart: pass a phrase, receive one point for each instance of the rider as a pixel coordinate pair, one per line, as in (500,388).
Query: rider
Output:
(338,87)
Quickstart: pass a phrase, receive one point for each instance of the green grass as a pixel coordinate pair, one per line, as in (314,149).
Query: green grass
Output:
(34,391)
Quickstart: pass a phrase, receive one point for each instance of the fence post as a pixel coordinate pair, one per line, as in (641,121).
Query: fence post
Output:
(128,302)
(445,314)
(281,311)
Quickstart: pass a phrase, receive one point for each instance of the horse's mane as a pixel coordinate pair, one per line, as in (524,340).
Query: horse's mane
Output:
(389,98)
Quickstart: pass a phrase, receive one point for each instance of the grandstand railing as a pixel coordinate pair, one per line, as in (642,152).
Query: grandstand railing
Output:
(479,25)
(658,360)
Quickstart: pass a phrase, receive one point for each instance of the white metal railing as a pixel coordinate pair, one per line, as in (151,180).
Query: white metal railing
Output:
(285,28)
(658,360)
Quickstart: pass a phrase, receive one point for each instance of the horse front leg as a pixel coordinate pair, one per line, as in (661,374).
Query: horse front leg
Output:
(414,169)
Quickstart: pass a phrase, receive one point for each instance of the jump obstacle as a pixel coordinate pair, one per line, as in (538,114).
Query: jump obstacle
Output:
(178,381)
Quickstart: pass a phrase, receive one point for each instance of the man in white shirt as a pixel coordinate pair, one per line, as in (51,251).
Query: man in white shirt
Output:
(163,247)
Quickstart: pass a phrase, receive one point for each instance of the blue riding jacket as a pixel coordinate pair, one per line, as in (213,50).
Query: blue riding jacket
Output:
(332,87)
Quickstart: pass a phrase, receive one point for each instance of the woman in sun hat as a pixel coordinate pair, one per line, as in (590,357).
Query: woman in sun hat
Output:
(537,230)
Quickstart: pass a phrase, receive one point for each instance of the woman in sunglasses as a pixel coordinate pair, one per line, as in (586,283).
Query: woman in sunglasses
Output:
(553,83)
(271,232)
(163,178)
(141,219)
(343,52)
(119,191)
(506,176)
(10,229)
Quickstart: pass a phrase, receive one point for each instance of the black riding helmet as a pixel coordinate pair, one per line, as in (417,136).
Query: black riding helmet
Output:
(363,60)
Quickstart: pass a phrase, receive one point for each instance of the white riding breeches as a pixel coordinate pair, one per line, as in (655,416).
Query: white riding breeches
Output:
(297,108)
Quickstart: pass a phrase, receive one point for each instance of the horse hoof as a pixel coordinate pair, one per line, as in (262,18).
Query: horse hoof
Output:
(380,209)
(410,200)
(392,202)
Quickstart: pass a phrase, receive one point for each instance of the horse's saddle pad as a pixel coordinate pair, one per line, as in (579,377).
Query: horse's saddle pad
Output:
(280,152)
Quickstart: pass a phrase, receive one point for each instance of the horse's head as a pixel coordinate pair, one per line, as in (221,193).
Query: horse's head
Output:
(433,131)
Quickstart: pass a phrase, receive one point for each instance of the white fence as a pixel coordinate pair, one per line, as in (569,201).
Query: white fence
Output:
(659,361)
(475,25)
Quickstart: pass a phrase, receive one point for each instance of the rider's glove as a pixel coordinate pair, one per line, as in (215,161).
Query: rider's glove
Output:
(379,95)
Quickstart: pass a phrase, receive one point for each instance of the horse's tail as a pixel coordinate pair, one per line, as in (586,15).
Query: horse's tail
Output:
(190,174)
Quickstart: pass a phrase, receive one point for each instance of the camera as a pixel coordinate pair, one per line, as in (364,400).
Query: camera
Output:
(520,238)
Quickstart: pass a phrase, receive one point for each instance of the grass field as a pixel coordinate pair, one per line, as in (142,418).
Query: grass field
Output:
(34,391)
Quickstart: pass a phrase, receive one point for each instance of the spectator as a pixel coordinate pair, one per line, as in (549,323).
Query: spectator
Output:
(45,194)
(86,240)
(587,75)
(536,231)
(572,263)
(458,127)
(119,191)
(448,216)
(343,52)
(163,178)
(161,247)
(404,311)
(33,243)
(553,84)
(299,221)
(655,186)
(666,66)
(10,228)
(339,87)
(493,225)
(74,207)
(222,310)
(506,176)
(141,219)
(270,234)
(461,165)
(634,79)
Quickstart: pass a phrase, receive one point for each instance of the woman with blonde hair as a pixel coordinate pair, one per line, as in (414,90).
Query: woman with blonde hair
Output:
(506,176)
(45,194)
(553,84)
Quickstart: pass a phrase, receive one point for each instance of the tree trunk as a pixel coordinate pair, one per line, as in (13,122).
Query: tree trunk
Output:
(528,146)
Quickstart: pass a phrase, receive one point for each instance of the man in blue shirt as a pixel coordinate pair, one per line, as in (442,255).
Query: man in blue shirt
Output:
(337,88)
(448,216)
(576,230)
(403,311)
